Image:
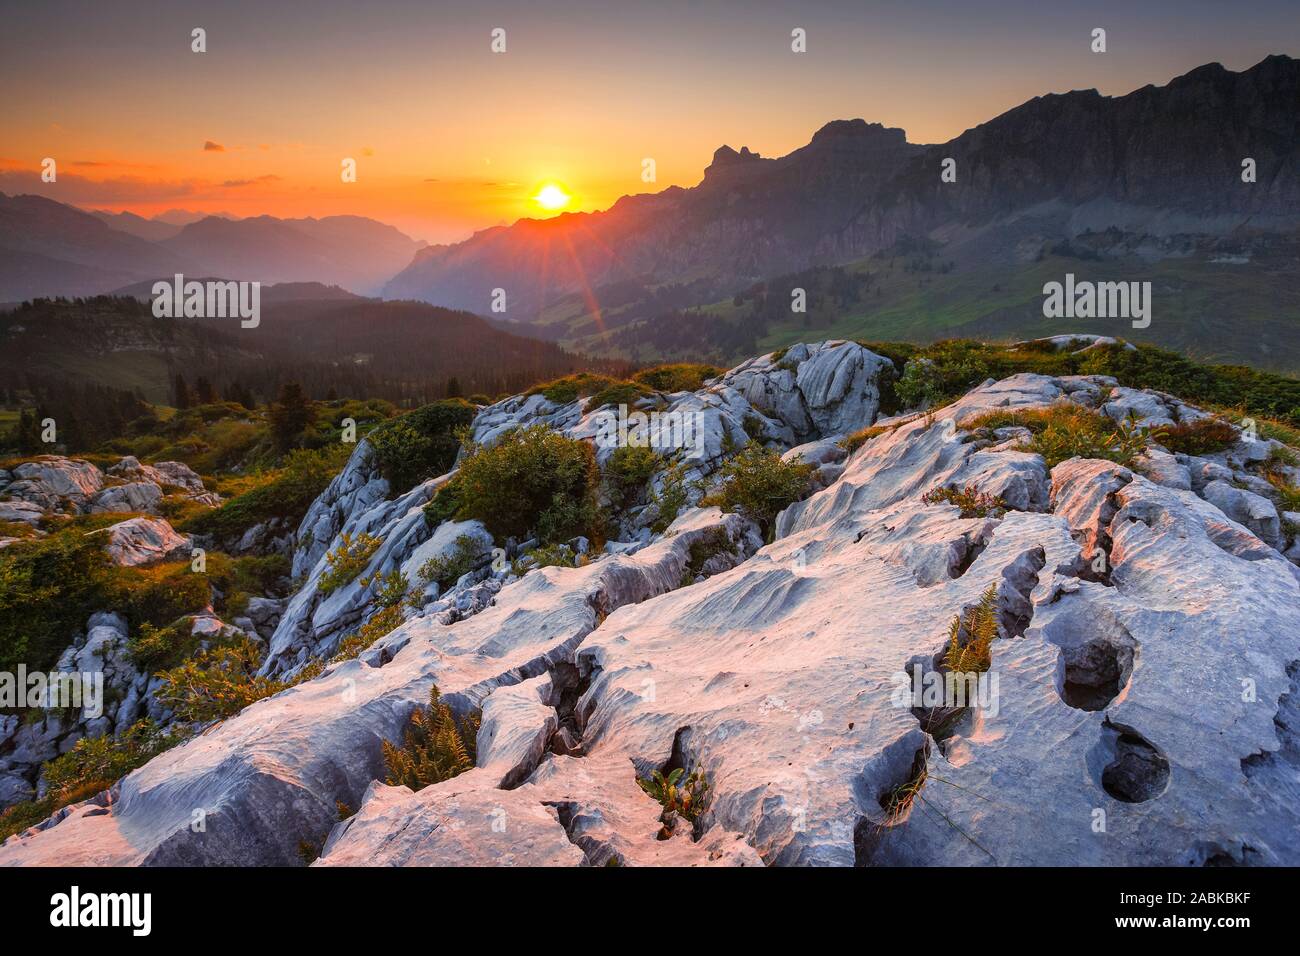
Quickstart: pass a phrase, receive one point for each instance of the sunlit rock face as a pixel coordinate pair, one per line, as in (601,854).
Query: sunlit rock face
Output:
(1139,706)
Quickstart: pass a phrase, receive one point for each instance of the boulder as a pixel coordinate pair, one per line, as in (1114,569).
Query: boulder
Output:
(52,482)
(142,496)
(140,541)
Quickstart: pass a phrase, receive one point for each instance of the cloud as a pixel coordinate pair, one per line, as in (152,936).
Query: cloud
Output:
(211,147)
(79,190)
(233,183)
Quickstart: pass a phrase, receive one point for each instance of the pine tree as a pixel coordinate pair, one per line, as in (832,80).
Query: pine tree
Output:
(181,396)
(290,415)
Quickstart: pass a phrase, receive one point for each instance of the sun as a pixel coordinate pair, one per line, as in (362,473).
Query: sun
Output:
(552,197)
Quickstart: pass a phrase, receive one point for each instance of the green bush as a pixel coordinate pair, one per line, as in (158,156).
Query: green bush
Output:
(48,587)
(1204,436)
(759,485)
(1065,430)
(286,493)
(671,498)
(445,570)
(216,683)
(619,393)
(681,377)
(533,481)
(93,764)
(421,444)
(347,561)
(972,502)
(627,473)
(156,648)
(562,391)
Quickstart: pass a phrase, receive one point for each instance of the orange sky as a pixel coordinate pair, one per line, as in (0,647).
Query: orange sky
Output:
(450,137)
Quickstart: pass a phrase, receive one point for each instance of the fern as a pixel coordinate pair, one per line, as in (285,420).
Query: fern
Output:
(436,747)
(980,629)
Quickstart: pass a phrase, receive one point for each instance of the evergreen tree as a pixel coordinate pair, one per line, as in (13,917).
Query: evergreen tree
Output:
(181,396)
(290,415)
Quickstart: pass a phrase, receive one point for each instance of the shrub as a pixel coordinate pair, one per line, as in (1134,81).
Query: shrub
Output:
(972,502)
(677,796)
(436,747)
(627,473)
(533,481)
(216,683)
(385,622)
(48,587)
(1204,436)
(1066,430)
(562,391)
(711,543)
(759,485)
(669,500)
(347,561)
(93,764)
(550,556)
(619,393)
(392,588)
(444,504)
(683,377)
(445,570)
(285,494)
(421,444)
(853,442)
(1287,493)
(155,648)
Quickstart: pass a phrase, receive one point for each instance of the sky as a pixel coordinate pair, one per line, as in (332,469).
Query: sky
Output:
(450,137)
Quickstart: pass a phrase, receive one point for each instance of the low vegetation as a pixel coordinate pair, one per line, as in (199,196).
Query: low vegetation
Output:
(217,683)
(93,764)
(960,364)
(971,636)
(284,493)
(445,570)
(436,747)
(759,485)
(381,624)
(681,797)
(420,445)
(857,439)
(627,474)
(533,482)
(347,561)
(1203,436)
(680,377)
(972,502)
(1065,430)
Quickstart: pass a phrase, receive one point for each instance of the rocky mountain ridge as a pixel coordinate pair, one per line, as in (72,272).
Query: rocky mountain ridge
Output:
(1160,161)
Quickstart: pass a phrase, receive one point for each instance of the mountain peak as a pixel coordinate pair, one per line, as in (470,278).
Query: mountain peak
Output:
(858,129)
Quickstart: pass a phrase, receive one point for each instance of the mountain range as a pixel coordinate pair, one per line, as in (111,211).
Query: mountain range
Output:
(1148,186)
(1146,179)
(52,249)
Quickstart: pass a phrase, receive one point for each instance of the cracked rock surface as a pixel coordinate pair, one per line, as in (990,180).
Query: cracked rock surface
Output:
(1144,710)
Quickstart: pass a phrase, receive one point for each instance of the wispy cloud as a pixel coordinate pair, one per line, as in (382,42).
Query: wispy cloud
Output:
(211,147)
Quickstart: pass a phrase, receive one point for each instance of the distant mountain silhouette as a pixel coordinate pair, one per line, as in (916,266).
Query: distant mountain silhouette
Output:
(49,248)
(1161,160)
